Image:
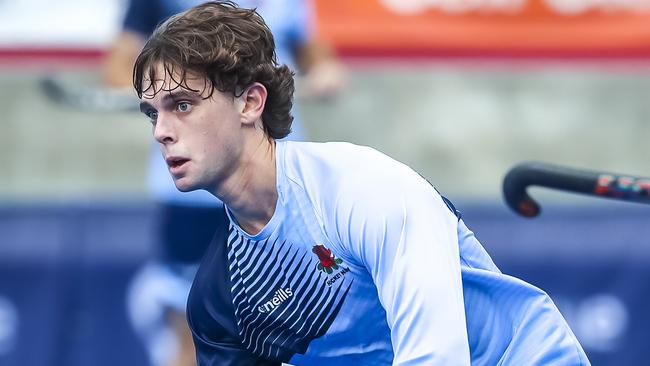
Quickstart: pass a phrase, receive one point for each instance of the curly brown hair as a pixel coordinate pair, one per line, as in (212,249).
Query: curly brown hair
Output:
(230,47)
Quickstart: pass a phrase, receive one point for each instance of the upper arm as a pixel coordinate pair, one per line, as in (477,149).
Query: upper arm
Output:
(117,69)
(140,19)
(400,229)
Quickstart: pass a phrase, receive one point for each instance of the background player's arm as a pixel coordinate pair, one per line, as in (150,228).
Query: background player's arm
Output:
(117,70)
(315,58)
(399,228)
(140,19)
(323,72)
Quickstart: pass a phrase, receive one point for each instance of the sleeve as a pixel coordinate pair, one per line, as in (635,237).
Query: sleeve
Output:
(399,228)
(302,22)
(142,16)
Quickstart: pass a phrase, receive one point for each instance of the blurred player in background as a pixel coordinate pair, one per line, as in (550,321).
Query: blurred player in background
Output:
(187,221)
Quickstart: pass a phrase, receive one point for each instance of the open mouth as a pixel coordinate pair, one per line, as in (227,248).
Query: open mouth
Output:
(176,162)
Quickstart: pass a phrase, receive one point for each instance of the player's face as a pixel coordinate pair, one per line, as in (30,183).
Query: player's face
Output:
(199,138)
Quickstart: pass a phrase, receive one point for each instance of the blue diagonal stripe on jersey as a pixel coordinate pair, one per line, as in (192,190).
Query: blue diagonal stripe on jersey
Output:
(311,294)
(251,324)
(297,321)
(242,297)
(265,282)
(262,283)
(297,341)
(268,290)
(258,270)
(328,314)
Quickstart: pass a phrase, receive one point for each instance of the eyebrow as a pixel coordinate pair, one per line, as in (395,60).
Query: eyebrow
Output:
(170,98)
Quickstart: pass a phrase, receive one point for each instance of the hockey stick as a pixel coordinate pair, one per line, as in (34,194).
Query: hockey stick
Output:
(95,98)
(608,185)
(92,96)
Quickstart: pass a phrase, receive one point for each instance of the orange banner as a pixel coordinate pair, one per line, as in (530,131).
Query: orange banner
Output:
(487,27)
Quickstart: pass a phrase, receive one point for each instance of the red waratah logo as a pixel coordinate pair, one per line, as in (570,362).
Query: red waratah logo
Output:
(328,262)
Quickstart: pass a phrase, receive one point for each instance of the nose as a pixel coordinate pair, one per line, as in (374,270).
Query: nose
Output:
(163,130)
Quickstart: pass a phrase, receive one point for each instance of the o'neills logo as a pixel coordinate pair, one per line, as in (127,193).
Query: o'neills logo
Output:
(328,263)
(280,296)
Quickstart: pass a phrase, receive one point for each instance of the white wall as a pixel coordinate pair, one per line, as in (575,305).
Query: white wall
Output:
(62,23)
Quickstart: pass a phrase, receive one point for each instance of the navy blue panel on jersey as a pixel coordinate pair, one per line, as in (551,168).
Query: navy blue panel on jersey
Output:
(211,312)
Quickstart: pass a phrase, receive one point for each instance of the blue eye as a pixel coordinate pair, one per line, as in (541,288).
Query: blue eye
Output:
(152,114)
(183,107)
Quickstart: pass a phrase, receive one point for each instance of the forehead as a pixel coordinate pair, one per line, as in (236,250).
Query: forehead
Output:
(161,77)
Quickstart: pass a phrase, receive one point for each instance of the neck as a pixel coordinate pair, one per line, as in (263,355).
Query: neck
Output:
(250,192)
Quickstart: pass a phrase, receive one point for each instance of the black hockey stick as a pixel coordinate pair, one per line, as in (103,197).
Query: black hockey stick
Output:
(608,185)
(88,97)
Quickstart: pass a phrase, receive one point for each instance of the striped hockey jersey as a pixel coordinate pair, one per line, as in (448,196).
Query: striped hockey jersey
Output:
(364,263)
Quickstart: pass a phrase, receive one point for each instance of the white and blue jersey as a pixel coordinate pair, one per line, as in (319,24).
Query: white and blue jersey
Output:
(364,263)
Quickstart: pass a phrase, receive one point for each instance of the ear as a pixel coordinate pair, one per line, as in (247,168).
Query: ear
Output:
(252,103)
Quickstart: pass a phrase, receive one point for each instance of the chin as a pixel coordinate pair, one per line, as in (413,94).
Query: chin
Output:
(185,190)
(184,186)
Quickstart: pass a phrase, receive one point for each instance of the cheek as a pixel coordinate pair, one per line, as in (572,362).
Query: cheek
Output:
(214,147)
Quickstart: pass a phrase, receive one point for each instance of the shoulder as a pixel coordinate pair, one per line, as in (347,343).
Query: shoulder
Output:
(344,180)
(337,159)
(334,168)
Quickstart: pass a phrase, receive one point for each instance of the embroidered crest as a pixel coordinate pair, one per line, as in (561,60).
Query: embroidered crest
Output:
(328,263)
